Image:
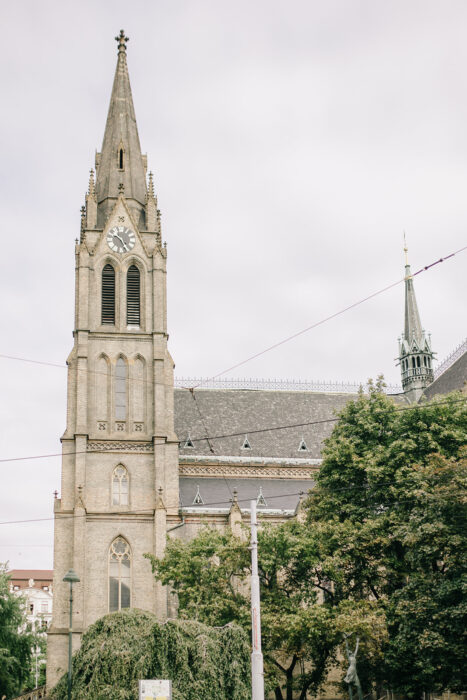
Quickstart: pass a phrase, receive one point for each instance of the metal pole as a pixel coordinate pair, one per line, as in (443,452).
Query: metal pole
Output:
(70,640)
(257,676)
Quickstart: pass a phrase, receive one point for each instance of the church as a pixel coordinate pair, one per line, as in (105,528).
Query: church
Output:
(144,459)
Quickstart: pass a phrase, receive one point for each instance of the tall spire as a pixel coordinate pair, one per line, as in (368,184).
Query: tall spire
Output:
(412,324)
(415,353)
(121,160)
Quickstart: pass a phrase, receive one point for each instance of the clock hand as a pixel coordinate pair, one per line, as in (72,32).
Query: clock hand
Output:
(120,239)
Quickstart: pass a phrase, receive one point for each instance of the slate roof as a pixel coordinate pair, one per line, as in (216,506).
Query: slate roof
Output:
(216,412)
(454,378)
(217,493)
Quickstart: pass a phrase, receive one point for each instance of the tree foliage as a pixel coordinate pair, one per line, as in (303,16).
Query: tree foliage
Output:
(381,555)
(121,648)
(389,522)
(15,642)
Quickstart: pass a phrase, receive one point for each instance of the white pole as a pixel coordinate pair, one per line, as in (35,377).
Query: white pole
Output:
(257,676)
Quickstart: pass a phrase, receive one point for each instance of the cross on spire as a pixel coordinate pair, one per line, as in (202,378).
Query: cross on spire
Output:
(122,40)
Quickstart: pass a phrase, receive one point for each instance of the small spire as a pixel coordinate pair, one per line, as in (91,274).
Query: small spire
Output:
(151,185)
(91,187)
(83,218)
(122,41)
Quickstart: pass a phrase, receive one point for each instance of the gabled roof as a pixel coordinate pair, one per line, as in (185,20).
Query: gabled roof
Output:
(216,412)
(454,378)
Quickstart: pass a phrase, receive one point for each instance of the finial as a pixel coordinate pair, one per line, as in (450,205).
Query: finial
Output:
(122,39)
(121,188)
(235,495)
(83,218)
(91,189)
(55,494)
(151,185)
(406,250)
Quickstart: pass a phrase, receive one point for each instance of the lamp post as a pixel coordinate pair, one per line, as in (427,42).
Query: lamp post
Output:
(71,577)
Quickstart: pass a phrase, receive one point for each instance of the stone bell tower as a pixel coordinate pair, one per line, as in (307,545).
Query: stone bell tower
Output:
(120,452)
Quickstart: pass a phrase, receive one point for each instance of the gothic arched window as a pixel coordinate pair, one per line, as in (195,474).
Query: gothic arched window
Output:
(120,483)
(133,296)
(108,295)
(119,575)
(120,389)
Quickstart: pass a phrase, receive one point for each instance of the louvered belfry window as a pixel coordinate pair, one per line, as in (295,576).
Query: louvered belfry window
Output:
(108,295)
(133,297)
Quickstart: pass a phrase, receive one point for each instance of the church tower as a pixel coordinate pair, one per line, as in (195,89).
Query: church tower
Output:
(415,353)
(120,453)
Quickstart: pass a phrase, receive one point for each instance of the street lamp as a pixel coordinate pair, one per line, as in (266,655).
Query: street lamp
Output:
(71,577)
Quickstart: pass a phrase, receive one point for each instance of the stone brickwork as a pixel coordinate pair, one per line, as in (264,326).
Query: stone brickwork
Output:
(105,429)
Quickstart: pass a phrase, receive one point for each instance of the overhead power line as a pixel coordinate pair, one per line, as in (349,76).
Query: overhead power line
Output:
(262,352)
(242,432)
(150,512)
(329,318)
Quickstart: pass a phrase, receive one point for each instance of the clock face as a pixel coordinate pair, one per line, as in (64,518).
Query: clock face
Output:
(121,239)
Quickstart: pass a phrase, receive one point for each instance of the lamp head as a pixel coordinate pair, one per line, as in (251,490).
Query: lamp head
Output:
(71,577)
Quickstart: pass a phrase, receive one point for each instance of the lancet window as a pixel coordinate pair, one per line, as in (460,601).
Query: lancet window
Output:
(108,295)
(119,575)
(120,486)
(120,389)
(133,296)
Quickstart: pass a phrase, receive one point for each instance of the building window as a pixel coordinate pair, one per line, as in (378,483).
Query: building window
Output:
(108,295)
(120,389)
(120,159)
(418,360)
(133,296)
(119,575)
(120,486)
(31,608)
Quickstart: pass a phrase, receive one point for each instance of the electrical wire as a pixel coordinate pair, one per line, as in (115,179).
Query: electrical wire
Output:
(244,432)
(329,318)
(150,512)
(262,352)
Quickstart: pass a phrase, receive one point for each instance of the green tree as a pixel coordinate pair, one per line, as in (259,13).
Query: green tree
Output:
(123,647)
(388,517)
(383,543)
(210,576)
(15,644)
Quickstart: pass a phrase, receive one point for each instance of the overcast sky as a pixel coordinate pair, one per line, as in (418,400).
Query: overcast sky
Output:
(292,143)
